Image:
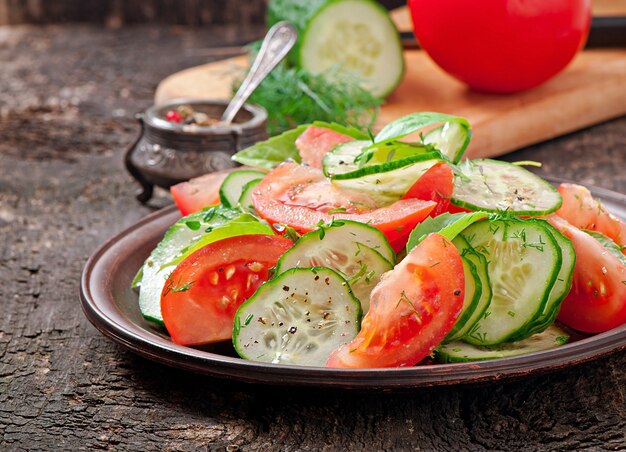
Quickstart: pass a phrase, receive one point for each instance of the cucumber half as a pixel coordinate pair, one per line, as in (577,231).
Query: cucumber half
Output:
(524,262)
(388,182)
(355,35)
(299,318)
(456,352)
(496,186)
(358,252)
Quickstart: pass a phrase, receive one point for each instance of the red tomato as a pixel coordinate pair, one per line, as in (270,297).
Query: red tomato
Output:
(203,292)
(437,185)
(412,309)
(597,300)
(581,210)
(301,197)
(315,142)
(197,193)
(501,46)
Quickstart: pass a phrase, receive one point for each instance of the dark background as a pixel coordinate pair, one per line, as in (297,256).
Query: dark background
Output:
(115,13)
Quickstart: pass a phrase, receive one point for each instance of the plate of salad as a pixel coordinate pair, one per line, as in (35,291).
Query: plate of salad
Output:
(339,258)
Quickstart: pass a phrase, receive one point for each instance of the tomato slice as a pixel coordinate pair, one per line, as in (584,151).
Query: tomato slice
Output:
(436,184)
(200,192)
(412,309)
(315,142)
(581,210)
(597,300)
(203,292)
(301,197)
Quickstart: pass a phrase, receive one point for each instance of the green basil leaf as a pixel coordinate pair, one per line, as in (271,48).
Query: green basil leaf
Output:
(345,130)
(414,122)
(448,224)
(272,152)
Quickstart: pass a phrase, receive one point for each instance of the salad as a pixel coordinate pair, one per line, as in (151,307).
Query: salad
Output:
(332,247)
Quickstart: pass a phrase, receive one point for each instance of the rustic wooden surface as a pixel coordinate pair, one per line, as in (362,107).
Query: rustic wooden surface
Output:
(67,96)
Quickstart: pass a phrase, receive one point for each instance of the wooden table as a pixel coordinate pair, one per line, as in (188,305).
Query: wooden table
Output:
(67,97)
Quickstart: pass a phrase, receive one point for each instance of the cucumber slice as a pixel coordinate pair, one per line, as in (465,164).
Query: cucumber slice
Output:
(451,139)
(233,184)
(388,182)
(457,352)
(524,262)
(341,159)
(562,285)
(299,318)
(480,262)
(355,250)
(356,35)
(496,186)
(473,291)
(245,200)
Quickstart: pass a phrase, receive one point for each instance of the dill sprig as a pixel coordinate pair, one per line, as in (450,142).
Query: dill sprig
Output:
(294,96)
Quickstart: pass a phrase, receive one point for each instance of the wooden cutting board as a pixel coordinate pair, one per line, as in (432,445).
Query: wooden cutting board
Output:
(591,90)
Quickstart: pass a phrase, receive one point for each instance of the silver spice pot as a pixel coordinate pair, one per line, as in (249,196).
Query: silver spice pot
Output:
(166,153)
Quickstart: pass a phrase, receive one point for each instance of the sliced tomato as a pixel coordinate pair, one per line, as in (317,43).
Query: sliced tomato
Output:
(412,309)
(597,300)
(315,142)
(581,210)
(200,192)
(203,292)
(436,184)
(301,197)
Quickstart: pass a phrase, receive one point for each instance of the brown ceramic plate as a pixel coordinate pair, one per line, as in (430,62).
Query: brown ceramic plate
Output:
(111,306)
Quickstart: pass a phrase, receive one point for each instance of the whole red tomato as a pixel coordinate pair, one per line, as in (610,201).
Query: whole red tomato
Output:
(501,46)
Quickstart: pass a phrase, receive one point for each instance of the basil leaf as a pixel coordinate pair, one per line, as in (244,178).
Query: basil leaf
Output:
(345,130)
(414,122)
(270,153)
(448,224)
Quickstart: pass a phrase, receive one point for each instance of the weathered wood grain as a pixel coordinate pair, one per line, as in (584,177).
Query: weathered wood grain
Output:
(67,96)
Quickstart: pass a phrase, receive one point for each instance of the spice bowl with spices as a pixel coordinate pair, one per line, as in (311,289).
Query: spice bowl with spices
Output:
(186,138)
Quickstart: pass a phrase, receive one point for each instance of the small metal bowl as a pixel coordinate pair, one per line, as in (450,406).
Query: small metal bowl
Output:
(167,153)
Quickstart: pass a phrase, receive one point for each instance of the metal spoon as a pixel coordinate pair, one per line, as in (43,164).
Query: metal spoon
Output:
(277,43)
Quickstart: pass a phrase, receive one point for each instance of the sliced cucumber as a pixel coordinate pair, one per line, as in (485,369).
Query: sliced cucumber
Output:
(233,184)
(388,182)
(473,291)
(480,262)
(562,285)
(496,186)
(524,262)
(451,139)
(245,200)
(456,352)
(355,250)
(299,318)
(356,35)
(341,159)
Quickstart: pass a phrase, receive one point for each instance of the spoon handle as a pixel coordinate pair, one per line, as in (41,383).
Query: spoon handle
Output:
(277,43)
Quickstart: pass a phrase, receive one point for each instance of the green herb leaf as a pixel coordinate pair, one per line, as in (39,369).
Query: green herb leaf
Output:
(294,96)
(272,152)
(413,123)
(449,225)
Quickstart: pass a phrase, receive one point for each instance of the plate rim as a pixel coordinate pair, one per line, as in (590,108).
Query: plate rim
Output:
(132,336)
